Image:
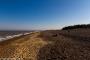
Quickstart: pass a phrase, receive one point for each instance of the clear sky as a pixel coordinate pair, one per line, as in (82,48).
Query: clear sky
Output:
(42,14)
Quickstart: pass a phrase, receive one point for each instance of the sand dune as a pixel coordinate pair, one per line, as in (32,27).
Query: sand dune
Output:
(48,45)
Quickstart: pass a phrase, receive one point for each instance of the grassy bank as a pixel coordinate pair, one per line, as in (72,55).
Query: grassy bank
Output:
(49,45)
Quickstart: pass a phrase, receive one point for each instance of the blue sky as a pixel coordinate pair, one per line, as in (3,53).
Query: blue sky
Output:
(42,14)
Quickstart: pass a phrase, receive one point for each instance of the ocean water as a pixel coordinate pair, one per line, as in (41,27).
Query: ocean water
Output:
(5,35)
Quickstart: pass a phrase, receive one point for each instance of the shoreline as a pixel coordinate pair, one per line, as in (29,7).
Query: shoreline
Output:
(9,37)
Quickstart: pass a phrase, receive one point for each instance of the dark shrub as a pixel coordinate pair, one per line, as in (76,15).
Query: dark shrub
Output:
(76,26)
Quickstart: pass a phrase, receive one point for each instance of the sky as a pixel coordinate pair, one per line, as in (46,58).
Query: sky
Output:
(43,14)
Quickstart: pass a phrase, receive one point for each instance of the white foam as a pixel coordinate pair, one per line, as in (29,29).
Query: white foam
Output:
(26,33)
(12,36)
(2,39)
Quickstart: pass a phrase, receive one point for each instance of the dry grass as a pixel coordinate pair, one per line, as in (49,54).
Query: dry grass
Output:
(66,45)
(49,45)
(26,47)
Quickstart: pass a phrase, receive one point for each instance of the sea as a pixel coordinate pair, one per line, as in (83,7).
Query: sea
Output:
(5,35)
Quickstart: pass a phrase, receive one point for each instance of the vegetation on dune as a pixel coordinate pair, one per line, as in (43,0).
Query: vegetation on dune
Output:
(64,46)
(25,47)
(49,45)
(76,26)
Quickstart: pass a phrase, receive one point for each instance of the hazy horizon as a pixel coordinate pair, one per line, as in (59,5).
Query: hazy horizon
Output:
(43,14)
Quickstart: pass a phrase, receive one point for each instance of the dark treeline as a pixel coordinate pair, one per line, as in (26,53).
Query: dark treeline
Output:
(76,26)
